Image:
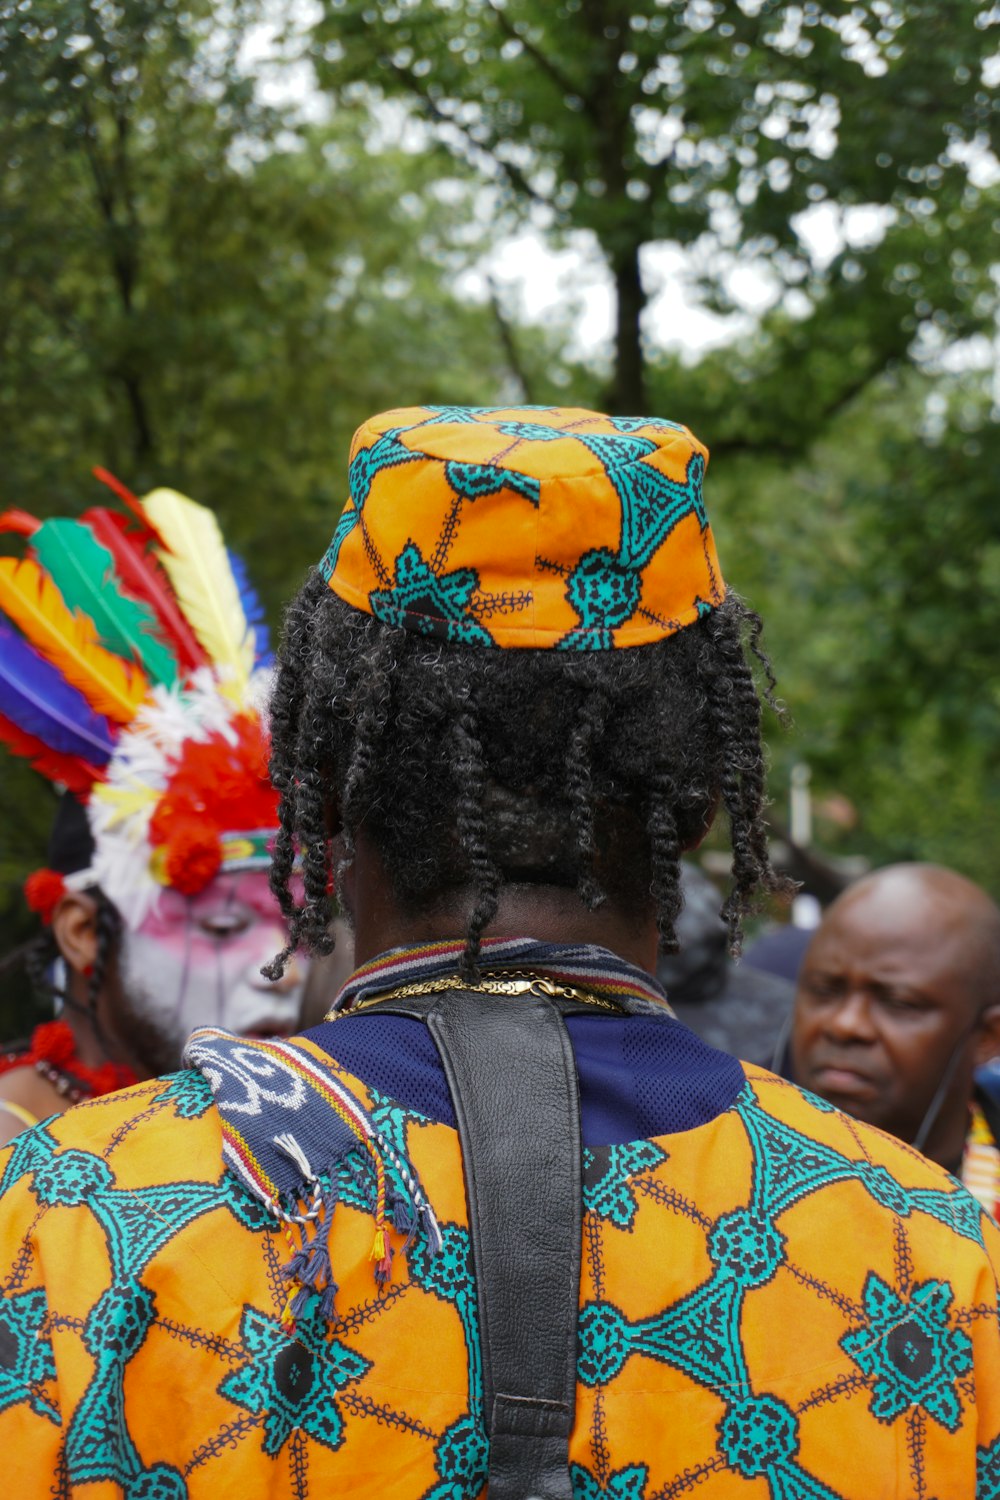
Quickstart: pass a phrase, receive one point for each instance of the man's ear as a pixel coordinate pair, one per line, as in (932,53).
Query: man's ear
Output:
(988,1040)
(74,927)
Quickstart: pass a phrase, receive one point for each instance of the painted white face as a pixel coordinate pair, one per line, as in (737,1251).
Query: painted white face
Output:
(195,961)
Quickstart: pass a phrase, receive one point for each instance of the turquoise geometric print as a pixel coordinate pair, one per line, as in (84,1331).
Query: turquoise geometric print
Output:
(411,584)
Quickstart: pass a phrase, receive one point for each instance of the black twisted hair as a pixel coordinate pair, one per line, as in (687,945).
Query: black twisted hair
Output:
(44,951)
(478,767)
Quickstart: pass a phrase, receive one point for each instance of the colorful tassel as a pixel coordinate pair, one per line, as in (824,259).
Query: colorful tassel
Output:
(381,1253)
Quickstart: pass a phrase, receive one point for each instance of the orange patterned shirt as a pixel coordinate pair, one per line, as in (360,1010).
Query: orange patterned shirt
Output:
(779,1304)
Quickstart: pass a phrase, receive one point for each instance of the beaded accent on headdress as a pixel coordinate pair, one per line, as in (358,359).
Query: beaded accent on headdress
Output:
(541,527)
(131,656)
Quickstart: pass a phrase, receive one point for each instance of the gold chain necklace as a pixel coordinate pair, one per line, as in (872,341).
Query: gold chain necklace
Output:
(499,982)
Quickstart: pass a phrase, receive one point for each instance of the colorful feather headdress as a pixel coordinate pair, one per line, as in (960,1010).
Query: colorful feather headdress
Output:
(132,659)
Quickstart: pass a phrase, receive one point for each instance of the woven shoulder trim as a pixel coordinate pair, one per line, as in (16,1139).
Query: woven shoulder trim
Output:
(288,1121)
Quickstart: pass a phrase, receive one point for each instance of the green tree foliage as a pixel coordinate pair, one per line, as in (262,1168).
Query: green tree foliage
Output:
(192,290)
(202,291)
(713,124)
(875,560)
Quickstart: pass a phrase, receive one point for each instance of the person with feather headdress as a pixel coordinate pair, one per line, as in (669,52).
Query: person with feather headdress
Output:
(133,658)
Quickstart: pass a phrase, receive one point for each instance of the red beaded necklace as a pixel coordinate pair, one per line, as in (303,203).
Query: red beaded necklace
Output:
(52,1053)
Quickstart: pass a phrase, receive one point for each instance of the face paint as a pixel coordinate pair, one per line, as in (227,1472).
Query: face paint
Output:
(195,961)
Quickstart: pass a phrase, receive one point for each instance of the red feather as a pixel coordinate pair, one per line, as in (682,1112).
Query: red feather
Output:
(131,502)
(142,578)
(19,521)
(74,773)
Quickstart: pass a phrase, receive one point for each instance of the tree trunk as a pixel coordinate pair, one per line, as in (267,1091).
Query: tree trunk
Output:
(142,431)
(627,392)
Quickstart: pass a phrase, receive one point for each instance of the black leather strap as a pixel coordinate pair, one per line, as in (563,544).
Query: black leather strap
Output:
(512,1077)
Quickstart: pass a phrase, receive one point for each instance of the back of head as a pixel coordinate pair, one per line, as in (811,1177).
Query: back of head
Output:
(518,663)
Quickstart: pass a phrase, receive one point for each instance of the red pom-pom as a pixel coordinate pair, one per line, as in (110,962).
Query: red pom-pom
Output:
(43,890)
(54,1042)
(193,857)
(217,785)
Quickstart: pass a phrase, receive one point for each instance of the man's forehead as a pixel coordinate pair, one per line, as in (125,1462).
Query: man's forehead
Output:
(903,923)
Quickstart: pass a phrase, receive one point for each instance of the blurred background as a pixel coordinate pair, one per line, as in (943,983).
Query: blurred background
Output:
(230,231)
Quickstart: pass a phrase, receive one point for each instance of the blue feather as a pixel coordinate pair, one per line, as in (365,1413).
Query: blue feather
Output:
(253,609)
(36,697)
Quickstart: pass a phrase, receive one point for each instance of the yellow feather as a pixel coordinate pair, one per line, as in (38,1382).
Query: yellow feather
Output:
(197,564)
(125,802)
(69,641)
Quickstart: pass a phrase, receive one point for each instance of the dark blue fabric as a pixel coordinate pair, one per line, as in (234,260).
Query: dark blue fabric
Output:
(639,1076)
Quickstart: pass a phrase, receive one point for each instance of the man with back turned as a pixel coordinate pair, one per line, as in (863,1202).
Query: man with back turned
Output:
(513,693)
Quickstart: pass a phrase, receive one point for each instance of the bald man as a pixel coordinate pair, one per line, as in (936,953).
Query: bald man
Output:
(898,1002)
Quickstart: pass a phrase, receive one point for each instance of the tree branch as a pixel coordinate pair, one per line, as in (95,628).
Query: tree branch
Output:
(430,106)
(122,259)
(562,80)
(509,344)
(823,415)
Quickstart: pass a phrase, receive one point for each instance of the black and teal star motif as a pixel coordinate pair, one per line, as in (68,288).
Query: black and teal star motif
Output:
(190,1093)
(759,1436)
(292,1382)
(461,1454)
(433,604)
(137,1224)
(99,1445)
(907,1346)
(607,1174)
(623,1484)
(789,1166)
(605,594)
(533,432)
(700,1335)
(26,1361)
(387,452)
(461,1458)
(605,588)
(478,481)
(644,424)
(988,1472)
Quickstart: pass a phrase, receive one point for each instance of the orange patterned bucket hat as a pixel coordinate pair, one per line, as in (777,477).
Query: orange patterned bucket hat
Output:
(544,527)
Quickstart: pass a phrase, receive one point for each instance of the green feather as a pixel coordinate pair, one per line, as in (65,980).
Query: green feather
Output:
(84,573)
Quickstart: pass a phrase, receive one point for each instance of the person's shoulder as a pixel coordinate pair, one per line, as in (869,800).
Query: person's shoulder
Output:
(25,1098)
(155,1132)
(822,1122)
(818,1146)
